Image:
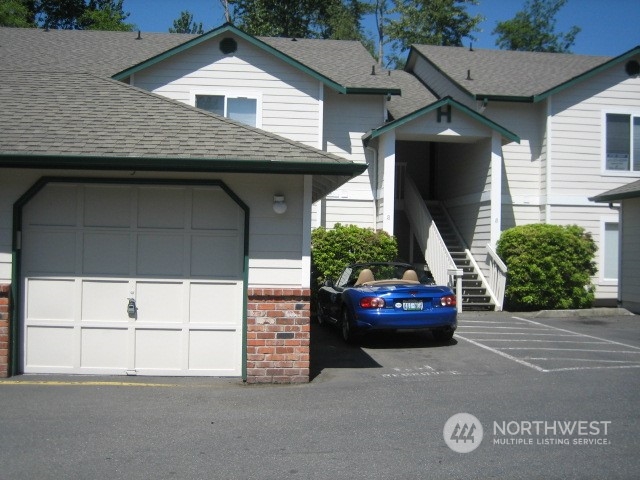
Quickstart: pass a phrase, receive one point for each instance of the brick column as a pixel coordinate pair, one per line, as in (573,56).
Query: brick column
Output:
(278,335)
(4,330)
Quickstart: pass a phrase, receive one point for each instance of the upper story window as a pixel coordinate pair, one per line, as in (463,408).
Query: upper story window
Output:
(242,109)
(623,142)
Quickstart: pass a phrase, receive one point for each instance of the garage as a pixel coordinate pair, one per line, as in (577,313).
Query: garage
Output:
(126,278)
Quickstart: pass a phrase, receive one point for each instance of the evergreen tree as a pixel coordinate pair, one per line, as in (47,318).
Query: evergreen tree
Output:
(532,29)
(185,24)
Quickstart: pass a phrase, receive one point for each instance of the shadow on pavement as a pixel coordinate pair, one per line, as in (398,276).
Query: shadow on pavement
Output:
(328,350)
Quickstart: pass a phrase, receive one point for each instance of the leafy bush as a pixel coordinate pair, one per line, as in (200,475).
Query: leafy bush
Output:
(549,267)
(332,249)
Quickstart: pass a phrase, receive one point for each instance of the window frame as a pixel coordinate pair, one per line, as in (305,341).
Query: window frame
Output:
(232,93)
(633,114)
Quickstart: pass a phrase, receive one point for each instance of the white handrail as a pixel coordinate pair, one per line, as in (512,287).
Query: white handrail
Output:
(497,276)
(440,262)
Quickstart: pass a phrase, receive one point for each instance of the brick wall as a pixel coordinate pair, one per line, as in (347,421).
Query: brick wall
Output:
(4,330)
(278,335)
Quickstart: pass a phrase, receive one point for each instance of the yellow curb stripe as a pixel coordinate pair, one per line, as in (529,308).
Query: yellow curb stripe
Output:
(87,383)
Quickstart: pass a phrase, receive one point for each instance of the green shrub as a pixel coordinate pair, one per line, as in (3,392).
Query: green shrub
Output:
(332,250)
(549,267)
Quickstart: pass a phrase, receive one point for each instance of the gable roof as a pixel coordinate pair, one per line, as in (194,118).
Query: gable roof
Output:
(512,75)
(415,95)
(630,190)
(352,74)
(446,101)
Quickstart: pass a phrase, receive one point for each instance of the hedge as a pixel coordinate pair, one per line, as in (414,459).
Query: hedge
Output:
(549,267)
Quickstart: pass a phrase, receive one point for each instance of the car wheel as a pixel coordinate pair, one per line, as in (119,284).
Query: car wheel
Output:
(348,334)
(443,335)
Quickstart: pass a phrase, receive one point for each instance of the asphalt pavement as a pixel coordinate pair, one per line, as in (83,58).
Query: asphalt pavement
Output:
(560,402)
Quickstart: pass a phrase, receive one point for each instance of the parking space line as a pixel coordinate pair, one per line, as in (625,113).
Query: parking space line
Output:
(502,354)
(490,335)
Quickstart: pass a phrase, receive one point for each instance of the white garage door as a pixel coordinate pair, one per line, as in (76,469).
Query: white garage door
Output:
(132,279)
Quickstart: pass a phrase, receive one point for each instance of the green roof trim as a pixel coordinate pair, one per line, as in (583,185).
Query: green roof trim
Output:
(229,28)
(434,106)
(225,165)
(588,74)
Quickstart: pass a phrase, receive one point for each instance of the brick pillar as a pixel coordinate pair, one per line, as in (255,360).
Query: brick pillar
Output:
(4,330)
(278,335)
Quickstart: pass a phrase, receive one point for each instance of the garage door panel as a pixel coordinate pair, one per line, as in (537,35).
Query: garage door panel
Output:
(160,302)
(215,303)
(50,299)
(107,206)
(105,301)
(161,208)
(160,255)
(158,349)
(106,254)
(216,256)
(57,252)
(50,347)
(213,350)
(104,348)
(214,210)
(56,205)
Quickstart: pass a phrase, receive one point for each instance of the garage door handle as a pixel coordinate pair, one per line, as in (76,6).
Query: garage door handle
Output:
(132,308)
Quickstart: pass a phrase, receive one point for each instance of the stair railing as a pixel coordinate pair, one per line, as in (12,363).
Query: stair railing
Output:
(497,277)
(440,262)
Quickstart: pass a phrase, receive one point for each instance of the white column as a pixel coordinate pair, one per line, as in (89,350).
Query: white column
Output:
(306,232)
(387,152)
(496,187)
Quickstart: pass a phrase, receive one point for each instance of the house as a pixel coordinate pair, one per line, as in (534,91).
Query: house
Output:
(148,180)
(628,196)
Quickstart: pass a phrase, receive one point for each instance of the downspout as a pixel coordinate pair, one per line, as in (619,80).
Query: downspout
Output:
(547,205)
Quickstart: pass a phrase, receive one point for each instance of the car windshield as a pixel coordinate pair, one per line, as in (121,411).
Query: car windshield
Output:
(375,272)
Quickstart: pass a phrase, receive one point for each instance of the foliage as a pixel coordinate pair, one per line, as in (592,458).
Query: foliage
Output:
(301,19)
(431,22)
(549,267)
(65,14)
(16,13)
(332,250)
(185,24)
(532,29)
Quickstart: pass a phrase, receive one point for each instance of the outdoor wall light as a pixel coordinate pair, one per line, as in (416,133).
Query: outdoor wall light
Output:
(279,205)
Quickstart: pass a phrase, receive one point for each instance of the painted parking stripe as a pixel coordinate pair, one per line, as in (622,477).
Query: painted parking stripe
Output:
(490,334)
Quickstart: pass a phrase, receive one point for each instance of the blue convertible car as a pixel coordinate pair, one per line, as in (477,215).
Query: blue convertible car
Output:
(387,296)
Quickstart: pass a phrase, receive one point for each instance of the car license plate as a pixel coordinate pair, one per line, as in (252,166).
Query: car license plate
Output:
(415,305)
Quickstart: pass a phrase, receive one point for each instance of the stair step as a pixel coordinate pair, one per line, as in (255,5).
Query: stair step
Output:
(475,299)
(466,307)
(474,291)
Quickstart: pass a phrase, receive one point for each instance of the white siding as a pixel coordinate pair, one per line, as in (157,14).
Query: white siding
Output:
(579,129)
(276,241)
(630,255)
(346,119)
(289,98)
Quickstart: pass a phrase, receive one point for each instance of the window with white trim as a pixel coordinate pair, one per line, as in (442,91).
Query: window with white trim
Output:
(623,142)
(610,251)
(242,109)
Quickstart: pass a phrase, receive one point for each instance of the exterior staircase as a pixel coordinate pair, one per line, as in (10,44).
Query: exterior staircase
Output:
(474,291)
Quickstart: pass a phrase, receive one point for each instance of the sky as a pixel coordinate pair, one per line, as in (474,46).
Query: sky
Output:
(609,27)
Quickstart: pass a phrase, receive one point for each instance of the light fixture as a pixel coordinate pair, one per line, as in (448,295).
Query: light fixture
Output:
(279,205)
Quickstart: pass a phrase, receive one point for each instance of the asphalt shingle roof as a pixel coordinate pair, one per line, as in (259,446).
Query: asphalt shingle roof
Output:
(81,114)
(506,73)
(345,62)
(415,95)
(630,190)
(99,52)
